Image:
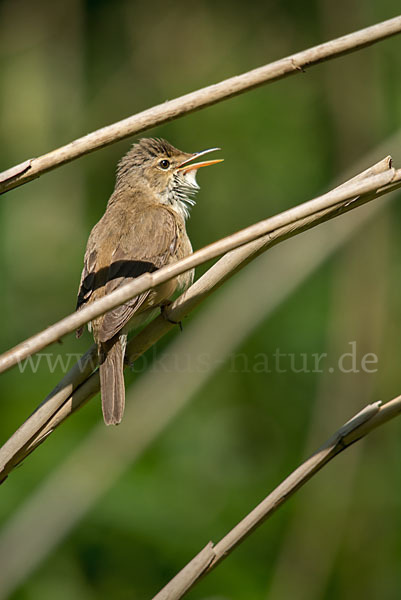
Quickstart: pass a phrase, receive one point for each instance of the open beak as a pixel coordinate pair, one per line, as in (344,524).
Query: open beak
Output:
(186,167)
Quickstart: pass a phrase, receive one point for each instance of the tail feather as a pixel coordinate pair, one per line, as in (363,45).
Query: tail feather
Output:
(112,379)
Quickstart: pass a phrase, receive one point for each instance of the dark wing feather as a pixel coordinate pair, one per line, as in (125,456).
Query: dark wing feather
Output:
(86,285)
(122,272)
(147,239)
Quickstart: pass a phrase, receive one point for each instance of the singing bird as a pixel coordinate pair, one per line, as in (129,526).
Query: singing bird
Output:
(142,230)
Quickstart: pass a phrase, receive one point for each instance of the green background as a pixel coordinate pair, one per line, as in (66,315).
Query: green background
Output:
(67,69)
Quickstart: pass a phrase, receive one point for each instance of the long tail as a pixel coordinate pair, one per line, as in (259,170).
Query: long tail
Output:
(112,379)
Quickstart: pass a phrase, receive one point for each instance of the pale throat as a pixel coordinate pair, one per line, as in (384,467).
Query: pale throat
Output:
(180,193)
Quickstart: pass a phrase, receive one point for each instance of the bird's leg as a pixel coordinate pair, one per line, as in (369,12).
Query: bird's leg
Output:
(163,311)
(129,363)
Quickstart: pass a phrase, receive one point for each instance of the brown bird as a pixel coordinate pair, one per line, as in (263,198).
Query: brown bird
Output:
(142,230)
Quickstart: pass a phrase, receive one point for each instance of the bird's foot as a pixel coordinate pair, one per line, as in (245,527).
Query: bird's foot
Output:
(163,310)
(129,363)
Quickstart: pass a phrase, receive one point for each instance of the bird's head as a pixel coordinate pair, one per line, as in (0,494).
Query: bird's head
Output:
(169,173)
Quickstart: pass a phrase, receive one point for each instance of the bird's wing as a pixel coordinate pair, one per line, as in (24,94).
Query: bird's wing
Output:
(87,282)
(143,246)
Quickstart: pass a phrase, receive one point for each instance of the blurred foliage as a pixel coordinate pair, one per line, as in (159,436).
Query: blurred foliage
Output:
(70,68)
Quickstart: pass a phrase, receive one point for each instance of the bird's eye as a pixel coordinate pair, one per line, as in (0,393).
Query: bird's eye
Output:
(164,164)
